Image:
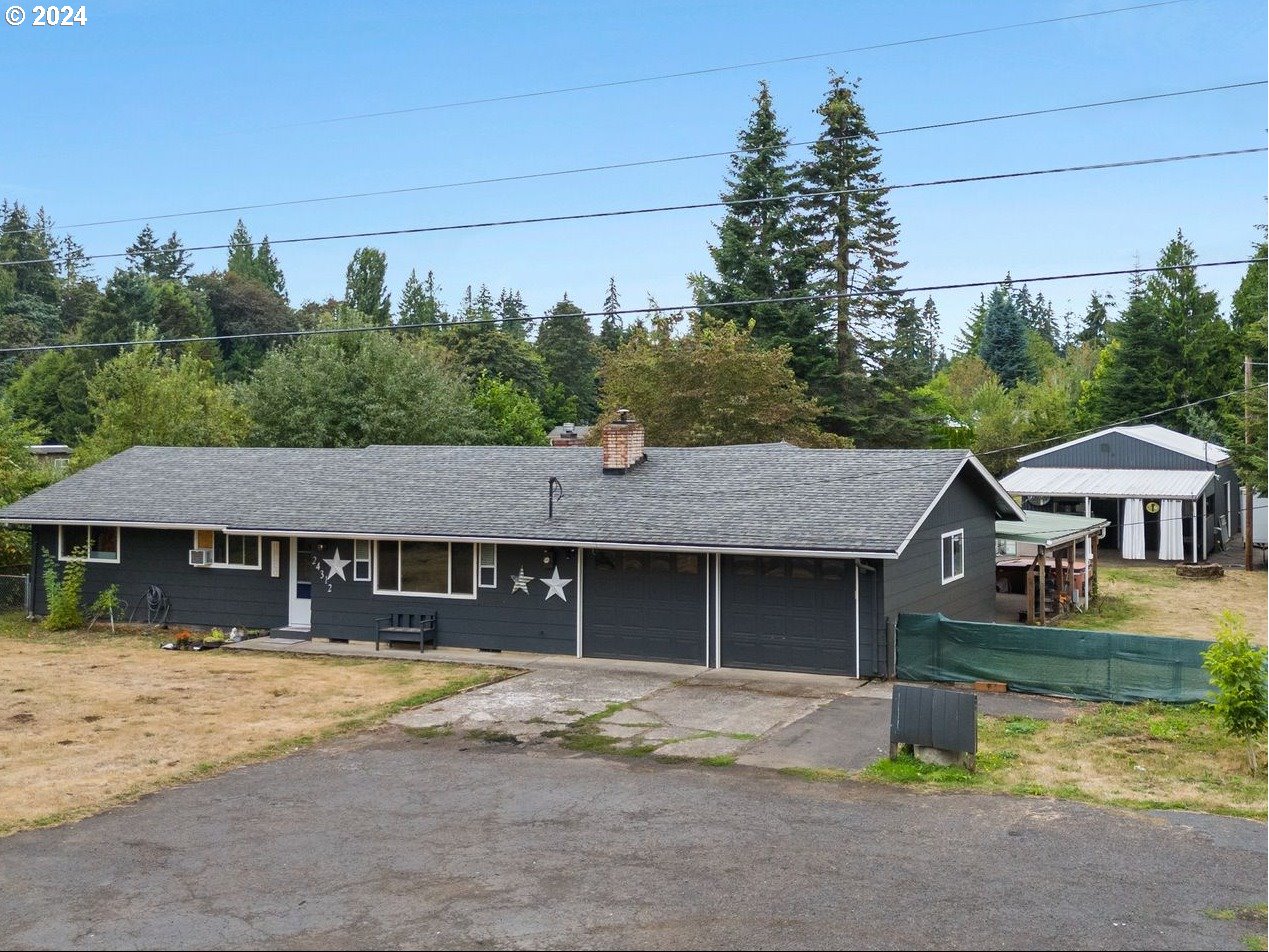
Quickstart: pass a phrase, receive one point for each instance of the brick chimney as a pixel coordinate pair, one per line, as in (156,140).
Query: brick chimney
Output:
(623,443)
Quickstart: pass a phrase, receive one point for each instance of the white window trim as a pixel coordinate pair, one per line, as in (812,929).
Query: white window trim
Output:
(481,547)
(475,568)
(70,558)
(368,561)
(943,555)
(229,565)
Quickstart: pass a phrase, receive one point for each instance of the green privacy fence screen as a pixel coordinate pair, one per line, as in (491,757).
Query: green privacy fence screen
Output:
(1093,665)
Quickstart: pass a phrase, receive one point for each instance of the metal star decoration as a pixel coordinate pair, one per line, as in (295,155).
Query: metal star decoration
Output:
(520,583)
(555,585)
(337,566)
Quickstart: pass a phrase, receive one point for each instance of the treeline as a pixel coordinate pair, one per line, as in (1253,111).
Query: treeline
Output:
(800,332)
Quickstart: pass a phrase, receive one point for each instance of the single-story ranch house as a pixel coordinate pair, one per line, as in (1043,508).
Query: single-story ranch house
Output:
(764,556)
(1165,493)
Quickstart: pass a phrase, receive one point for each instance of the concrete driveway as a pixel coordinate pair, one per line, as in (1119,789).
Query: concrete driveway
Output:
(385,840)
(761,719)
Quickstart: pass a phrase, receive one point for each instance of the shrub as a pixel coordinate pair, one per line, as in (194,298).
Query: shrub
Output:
(1237,670)
(106,603)
(65,594)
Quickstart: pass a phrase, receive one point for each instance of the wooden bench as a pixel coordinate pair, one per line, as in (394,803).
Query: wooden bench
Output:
(416,626)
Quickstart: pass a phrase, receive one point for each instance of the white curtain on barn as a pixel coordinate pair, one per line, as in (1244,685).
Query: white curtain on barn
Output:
(1171,531)
(1132,545)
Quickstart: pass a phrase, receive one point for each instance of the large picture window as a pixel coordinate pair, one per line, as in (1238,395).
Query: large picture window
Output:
(446,569)
(94,543)
(953,555)
(229,551)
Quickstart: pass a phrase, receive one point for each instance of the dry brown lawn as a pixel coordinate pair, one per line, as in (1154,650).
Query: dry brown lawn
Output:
(1152,600)
(88,720)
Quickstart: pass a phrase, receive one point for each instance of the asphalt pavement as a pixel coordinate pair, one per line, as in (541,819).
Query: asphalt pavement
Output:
(388,840)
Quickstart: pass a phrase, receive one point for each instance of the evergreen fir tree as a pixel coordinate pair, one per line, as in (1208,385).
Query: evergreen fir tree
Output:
(365,289)
(761,252)
(513,314)
(267,270)
(611,332)
(143,254)
(419,304)
(20,240)
(569,351)
(1131,375)
(173,262)
(1200,350)
(971,336)
(1095,328)
(846,219)
(242,252)
(1004,342)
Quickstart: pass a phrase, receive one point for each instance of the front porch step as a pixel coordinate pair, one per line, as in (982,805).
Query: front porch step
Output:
(291,631)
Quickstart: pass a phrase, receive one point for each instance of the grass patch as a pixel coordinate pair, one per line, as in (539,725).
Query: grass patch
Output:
(95,719)
(816,774)
(907,769)
(718,760)
(1256,913)
(1256,943)
(1147,756)
(1106,613)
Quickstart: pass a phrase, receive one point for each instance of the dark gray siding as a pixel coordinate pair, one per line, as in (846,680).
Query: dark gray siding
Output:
(914,581)
(873,653)
(1116,451)
(496,618)
(246,598)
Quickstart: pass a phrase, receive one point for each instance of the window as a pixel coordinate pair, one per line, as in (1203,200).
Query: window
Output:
(361,560)
(94,543)
(229,551)
(488,565)
(425,568)
(953,555)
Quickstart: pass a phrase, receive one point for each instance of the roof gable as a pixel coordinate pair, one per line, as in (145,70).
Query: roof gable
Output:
(1150,433)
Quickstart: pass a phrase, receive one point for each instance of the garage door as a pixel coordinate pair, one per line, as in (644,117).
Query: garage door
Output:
(788,614)
(648,606)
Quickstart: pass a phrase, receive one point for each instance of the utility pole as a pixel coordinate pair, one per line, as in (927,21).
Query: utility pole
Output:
(1248,514)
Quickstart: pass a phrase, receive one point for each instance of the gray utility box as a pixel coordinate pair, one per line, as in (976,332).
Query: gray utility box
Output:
(941,725)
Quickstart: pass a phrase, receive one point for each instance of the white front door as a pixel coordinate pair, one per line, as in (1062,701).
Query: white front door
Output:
(301,579)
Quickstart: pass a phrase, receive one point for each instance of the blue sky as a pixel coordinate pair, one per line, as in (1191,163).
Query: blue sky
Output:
(155,108)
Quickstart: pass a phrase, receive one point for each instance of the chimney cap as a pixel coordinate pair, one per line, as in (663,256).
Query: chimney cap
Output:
(623,416)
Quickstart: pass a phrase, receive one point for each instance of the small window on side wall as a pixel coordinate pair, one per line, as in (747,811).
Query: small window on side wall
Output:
(953,555)
(488,565)
(361,561)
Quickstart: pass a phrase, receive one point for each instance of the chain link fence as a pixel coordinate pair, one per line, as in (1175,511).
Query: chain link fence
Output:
(15,593)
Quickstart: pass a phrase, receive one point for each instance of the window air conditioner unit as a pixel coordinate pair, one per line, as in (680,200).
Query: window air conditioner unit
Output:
(201,557)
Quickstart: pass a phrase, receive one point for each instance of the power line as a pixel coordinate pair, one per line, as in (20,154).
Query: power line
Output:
(638,163)
(693,206)
(612,84)
(621,312)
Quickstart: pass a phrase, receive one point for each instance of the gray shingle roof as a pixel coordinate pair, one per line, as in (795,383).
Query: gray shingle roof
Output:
(766,496)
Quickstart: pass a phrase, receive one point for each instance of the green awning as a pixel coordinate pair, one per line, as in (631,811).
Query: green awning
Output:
(1049,528)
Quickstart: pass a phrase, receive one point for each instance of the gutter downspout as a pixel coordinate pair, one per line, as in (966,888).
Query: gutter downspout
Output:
(857,662)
